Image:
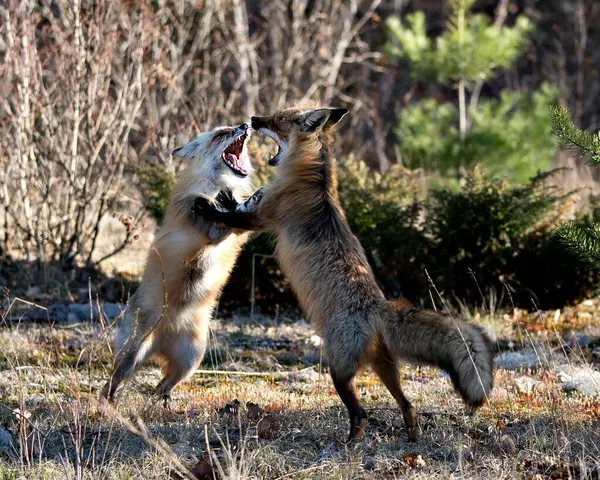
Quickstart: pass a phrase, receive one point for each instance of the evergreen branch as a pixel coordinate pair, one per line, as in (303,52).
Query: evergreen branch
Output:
(584,144)
(585,242)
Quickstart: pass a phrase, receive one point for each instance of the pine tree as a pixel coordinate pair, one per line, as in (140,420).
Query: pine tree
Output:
(504,133)
(585,241)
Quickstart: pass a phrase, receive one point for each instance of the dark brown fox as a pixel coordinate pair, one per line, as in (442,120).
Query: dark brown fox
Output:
(329,272)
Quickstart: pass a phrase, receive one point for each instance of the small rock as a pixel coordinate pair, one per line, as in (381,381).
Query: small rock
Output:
(580,379)
(526,384)
(184,450)
(307,375)
(80,312)
(287,357)
(518,360)
(5,441)
(369,464)
(328,452)
(84,312)
(576,340)
(112,310)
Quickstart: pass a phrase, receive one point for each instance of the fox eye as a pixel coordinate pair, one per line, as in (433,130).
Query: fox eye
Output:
(220,136)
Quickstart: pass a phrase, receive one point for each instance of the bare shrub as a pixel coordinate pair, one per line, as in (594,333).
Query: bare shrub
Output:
(94,89)
(77,84)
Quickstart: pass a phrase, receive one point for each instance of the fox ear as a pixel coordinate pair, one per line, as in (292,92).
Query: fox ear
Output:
(189,150)
(335,115)
(314,120)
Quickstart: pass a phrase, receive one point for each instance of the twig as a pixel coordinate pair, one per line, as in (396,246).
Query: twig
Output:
(251,374)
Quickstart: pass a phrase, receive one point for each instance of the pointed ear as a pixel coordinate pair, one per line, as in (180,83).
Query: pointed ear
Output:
(335,115)
(314,120)
(188,151)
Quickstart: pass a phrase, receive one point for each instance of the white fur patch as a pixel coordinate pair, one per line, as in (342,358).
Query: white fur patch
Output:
(208,166)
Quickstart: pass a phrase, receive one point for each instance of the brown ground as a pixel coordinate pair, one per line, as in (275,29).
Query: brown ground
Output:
(50,378)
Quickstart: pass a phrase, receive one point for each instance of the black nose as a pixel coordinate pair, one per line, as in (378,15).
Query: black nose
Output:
(244,126)
(254,121)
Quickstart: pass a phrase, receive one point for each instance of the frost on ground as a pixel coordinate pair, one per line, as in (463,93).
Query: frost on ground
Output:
(263,406)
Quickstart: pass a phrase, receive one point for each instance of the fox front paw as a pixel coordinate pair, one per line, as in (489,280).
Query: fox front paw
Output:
(251,204)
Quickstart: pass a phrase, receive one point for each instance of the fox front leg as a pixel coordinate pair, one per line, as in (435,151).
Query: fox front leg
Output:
(251,204)
(236,219)
(201,215)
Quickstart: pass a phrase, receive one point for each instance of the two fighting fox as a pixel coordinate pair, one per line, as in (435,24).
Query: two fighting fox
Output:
(204,229)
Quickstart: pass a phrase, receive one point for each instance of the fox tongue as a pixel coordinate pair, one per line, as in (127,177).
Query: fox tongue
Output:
(232,158)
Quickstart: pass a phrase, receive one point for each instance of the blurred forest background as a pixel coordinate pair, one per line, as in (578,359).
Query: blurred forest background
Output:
(449,172)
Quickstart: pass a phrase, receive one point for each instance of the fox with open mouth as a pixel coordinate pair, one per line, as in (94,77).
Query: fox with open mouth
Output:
(329,272)
(167,318)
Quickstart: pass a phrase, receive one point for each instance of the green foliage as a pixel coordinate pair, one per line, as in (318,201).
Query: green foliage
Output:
(470,49)
(502,236)
(509,135)
(584,240)
(486,216)
(487,230)
(583,144)
(427,131)
(155,184)
(383,212)
(361,187)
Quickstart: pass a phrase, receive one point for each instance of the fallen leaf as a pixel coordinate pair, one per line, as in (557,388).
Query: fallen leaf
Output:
(414,460)
(254,411)
(505,444)
(231,409)
(202,470)
(268,427)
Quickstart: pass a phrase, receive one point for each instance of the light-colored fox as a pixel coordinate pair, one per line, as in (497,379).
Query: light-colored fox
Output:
(167,318)
(329,272)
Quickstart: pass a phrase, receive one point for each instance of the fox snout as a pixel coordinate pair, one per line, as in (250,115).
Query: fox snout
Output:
(243,126)
(258,122)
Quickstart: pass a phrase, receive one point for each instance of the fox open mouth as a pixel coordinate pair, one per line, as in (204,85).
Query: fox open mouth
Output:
(231,156)
(274,160)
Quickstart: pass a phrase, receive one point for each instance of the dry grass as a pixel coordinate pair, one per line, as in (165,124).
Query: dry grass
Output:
(51,377)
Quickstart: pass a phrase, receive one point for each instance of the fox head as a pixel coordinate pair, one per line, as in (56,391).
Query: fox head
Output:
(220,154)
(285,126)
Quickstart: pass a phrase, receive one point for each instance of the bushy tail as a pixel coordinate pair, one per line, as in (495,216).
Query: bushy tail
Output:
(462,349)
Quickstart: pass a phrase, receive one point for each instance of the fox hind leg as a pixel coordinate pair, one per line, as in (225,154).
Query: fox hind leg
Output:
(127,360)
(181,360)
(346,389)
(387,370)
(345,349)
